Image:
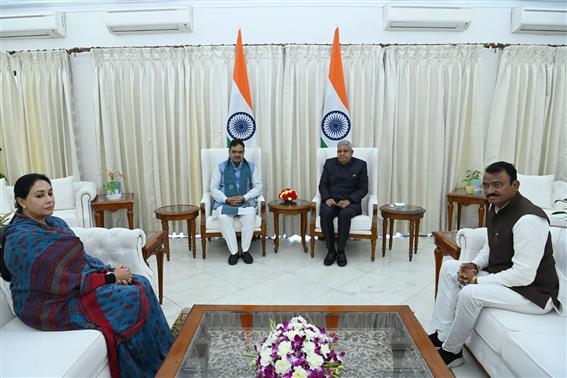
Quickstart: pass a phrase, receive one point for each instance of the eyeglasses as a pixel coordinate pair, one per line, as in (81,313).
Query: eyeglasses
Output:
(495,185)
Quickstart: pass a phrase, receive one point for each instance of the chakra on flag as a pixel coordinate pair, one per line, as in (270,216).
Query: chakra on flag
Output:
(241,125)
(335,125)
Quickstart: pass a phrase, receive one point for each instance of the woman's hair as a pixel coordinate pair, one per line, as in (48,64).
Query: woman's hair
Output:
(24,184)
(22,189)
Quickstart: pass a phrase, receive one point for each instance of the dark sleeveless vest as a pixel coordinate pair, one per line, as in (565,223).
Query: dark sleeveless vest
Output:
(501,242)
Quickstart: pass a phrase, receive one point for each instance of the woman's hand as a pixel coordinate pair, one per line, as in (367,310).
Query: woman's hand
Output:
(123,275)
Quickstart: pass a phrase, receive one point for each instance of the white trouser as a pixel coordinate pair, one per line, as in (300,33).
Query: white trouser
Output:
(457,308)
(247,220)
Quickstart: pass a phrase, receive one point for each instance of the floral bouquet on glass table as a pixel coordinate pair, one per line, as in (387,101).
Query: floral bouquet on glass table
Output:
(297,349)
(288,195)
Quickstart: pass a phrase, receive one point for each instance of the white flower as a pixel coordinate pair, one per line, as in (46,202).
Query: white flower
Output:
(283,366)
(291,334)
(265,360)
(309,347)
(299,372)
(299,319)
(325,349)
(284,348)
(314,360)
(312,334)
(266,352)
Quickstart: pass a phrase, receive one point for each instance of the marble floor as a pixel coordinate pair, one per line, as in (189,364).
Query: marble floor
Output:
(293,277)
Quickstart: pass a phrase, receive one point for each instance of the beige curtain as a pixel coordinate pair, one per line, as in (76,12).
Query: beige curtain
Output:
(296,136)
(36,115)
(528,119)
(432,123)
(158,107)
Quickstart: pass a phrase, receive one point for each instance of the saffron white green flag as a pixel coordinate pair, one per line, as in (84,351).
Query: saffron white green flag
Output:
(335,125)
(240,122)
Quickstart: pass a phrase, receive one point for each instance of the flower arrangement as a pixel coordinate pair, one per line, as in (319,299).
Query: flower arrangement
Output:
(288,195)
(297,349)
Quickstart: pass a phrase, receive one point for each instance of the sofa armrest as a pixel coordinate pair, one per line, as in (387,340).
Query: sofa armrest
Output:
(471,241)
(117,246)
(85,193)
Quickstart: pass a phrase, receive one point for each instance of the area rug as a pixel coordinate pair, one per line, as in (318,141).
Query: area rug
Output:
(179,322)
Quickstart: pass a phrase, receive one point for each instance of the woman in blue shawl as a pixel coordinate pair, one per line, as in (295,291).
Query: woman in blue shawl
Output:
(56,286)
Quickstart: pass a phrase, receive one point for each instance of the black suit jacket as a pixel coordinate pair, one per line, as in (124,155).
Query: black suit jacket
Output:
(348,181)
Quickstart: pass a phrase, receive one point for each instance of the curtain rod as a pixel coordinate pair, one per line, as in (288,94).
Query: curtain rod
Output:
(491,45)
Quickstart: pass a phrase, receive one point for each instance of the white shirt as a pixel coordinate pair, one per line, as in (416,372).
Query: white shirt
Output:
(219,195)
(530,235)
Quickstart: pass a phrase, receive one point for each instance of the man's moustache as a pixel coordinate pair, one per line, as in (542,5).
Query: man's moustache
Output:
(492,195)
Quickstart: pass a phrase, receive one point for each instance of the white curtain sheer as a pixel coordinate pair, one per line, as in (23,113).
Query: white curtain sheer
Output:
(36,115)
(422,106)
(433,123)
(296,136)
(158,107)
(528,121)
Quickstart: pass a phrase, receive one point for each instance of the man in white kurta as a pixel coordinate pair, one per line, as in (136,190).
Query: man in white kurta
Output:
(235,185)
(515,271)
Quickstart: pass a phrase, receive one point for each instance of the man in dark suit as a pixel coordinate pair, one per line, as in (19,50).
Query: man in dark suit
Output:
(343,185)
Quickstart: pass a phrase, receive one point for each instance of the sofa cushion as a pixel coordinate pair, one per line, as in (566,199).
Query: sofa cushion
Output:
(535,354)
(69,216)
(359,224)
(537,189)
(213,223)
(50,354)
(494,324)
(63,192)
(5,206)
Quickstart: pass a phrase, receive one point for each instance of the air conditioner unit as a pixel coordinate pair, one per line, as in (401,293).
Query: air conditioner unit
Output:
(426,17)
(539,21)
(149,20)
(41,25)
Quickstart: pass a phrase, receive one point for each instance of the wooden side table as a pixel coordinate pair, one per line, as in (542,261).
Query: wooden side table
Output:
(155,242)
(463,198)
(445,245)
(179,212)
(102,204)
(301,207)
(408,212)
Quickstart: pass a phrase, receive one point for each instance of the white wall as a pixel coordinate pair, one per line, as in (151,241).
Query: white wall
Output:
(216,22)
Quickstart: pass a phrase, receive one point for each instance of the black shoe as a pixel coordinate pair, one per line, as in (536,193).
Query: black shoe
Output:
(341,258)
(247,257)
(434,338)
(330,259)
(233,259)
(452,360)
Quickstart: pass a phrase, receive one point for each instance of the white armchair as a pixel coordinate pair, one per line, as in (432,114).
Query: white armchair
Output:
(27,352)
(363,226)
(210,159)
(72,200)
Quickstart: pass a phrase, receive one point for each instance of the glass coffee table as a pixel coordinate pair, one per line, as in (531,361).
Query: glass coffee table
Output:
(379,341)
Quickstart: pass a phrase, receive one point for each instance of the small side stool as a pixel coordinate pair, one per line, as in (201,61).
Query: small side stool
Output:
(408,212)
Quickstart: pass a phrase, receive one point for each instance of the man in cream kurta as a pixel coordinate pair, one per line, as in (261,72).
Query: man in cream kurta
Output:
(235,185)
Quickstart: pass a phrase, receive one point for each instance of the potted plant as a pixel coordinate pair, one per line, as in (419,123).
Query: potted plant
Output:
(472,180)
(113,185)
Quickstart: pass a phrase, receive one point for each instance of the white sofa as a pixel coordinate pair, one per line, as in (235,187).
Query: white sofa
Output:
(508,343)
(544,192)
(27,352)
(72,200)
